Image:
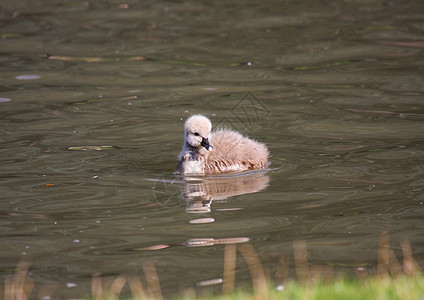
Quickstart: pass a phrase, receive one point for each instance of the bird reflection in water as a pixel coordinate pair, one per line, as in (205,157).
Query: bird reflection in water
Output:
(199,192)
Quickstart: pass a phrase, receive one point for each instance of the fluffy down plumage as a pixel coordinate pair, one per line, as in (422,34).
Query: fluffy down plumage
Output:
(222,151)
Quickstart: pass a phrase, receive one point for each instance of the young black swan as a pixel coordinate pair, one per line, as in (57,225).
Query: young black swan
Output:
(222,151)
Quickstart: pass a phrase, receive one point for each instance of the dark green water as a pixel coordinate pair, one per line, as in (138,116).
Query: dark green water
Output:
(334,88)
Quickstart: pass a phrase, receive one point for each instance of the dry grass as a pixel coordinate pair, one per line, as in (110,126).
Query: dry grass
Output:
(313,282)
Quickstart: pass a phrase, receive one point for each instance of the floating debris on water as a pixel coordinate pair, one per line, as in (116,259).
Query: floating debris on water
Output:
(210,282)
(154,247)
(202,221)
(88,148)
(27,77)
(229,209)
(201,242)
(71,284)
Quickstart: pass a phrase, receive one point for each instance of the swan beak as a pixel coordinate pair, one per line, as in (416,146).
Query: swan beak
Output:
(205,143)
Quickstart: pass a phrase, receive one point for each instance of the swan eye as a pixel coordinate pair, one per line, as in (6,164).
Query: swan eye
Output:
(196,134)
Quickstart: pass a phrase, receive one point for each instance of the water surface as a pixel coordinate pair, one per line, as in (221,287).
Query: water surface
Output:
(93,97)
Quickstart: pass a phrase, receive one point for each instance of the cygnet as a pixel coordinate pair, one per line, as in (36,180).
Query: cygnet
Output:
(222,151)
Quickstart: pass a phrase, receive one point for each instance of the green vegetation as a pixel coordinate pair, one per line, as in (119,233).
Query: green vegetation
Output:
(386,287)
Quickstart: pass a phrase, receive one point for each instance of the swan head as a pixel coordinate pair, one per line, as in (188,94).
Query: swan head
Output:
(197,131)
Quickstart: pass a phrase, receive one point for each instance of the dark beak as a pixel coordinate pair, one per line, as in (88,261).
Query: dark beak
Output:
(205,143)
